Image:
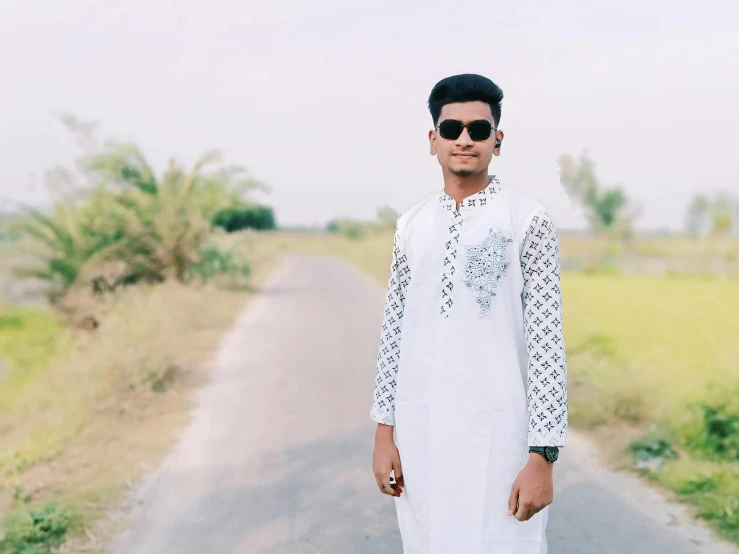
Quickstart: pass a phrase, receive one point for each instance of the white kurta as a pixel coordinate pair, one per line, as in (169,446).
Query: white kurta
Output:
(471,368)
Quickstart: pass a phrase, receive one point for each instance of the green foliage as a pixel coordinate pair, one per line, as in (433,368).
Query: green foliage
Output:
(130,226)
(718,436)
(226,265)
(34,531)
(68,239)
(704,474)
(253,216)
(656,446)
(712,487)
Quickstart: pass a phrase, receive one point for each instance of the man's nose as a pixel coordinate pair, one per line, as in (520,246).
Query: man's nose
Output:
(464,138)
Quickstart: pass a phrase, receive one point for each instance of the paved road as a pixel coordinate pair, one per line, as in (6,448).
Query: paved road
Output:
(278,456)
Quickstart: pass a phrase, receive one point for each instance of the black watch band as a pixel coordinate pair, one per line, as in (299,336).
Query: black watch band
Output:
(550,453)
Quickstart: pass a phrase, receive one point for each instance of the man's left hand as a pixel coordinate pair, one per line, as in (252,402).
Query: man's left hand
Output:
(533,489)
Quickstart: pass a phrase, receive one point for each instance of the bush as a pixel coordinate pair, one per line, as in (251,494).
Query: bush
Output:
(215,263)
(33,532)
(653,449)
(132,226)
(718,436)
(253,216)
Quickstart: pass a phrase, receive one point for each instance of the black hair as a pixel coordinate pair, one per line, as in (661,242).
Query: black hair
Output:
(467,87)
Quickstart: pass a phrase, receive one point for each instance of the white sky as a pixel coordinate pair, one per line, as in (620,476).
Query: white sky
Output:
(326,100)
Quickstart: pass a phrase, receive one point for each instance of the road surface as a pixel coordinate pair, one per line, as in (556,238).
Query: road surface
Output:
(278,456)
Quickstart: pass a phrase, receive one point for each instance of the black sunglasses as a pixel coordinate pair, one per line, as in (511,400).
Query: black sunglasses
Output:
(450,129)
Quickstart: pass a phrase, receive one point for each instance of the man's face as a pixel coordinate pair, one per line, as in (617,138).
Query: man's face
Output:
(463,156)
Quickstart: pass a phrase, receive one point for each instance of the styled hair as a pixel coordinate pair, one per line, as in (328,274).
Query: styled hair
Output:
(467,87)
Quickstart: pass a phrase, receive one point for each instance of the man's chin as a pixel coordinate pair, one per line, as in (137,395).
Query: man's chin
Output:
(462,172)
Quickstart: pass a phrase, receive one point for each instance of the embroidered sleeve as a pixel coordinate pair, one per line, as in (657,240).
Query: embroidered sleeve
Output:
(542,310)
(383,408)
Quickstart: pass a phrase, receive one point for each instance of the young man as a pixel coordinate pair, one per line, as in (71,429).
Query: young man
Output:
(471,381)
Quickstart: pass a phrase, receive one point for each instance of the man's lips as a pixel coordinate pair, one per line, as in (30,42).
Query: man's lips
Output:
(463,156)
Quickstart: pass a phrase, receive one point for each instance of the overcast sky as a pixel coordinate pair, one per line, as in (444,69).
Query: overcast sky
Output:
(326,100)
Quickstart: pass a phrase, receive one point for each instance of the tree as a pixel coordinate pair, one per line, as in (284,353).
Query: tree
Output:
(245,216)
(697,214)
(125,224)
(607,209)
(716,216)
(388,216)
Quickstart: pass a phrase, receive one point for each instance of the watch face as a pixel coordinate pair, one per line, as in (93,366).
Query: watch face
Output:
(552,453)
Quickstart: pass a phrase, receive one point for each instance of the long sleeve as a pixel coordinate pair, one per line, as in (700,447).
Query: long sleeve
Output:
(542,310)
(383,408)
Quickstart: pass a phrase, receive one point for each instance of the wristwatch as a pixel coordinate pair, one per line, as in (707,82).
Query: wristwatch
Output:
(550,453)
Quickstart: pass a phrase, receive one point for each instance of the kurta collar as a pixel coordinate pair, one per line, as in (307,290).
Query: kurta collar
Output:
(477,200)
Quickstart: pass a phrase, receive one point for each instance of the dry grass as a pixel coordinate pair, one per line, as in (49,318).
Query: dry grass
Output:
(653,255)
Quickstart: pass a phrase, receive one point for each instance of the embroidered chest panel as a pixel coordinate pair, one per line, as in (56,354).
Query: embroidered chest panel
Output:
(484,263)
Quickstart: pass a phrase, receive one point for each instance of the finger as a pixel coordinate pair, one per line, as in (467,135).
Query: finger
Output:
(398,469)
(382,477)
(397,491)
(392,490)
(513,500)
(522,511)
(399,480)
(398,485)
(384,480)
(533,510)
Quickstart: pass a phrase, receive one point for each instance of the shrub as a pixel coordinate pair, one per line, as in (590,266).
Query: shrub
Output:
(236,218)
(33,532)
(653,448)
(132,226)
(718,436)
(215,263)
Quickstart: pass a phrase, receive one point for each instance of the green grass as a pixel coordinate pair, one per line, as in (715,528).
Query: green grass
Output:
(657,344)
(661,353)
(29,339)
(31,342)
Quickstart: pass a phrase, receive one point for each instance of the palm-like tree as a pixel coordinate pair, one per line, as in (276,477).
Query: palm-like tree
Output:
(129,225)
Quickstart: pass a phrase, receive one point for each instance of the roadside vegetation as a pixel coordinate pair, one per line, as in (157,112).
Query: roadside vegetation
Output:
(113,300)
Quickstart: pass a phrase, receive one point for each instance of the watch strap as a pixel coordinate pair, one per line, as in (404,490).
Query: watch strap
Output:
(543,451)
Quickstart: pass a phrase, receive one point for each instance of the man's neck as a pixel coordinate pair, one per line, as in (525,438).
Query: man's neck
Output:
(460,188)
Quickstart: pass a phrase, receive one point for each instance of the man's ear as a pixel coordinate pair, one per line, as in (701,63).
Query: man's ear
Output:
(498,137)
(432,143)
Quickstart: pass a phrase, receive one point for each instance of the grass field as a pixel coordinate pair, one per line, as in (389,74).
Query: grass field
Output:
(652,359)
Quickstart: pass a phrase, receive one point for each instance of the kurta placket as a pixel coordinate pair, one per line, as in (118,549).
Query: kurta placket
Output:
(471,367)
(450,259)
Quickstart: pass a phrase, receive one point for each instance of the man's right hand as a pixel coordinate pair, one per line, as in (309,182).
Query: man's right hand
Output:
(387,459)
